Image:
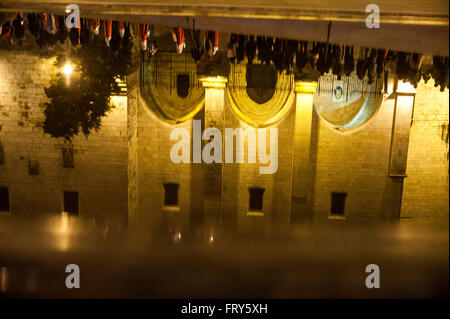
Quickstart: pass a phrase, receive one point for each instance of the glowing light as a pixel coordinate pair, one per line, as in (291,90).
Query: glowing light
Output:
(177,237)
(63,232)
(3,279)
(214,82)
(211,239)
(67,69)
(405,88)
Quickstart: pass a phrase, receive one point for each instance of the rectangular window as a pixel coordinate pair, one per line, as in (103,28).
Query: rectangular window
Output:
(255,199)
(338,203)
(4,199)
(71,203)
(33,167)
(170,194)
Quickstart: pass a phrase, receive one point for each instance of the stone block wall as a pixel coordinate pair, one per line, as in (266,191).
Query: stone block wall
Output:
(151,152)
(354,162)
(132,151)
(238,178)
(100,172)
(425,193)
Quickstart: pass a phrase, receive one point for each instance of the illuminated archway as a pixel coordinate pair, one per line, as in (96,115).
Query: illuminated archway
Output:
(349,103)
(252,112)
(160,78)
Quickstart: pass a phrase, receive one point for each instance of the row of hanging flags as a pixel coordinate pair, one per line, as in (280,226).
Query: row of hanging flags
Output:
(210,43)
(50,28)
(282,53)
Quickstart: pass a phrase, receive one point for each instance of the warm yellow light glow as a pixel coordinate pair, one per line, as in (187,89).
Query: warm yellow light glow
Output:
(64,222)
(120,102)
(405,88)
(63,232)
(67,69)
(214,82)
(305,87)
(177,237)
(268,113)
(3,279)
(255,213)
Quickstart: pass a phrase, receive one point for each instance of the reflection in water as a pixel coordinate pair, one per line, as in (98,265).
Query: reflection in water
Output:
(64,231)
(60,227)
(304,261)
(177,237)
(4,277)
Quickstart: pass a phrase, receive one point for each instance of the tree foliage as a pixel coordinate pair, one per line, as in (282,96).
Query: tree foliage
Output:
(80,104)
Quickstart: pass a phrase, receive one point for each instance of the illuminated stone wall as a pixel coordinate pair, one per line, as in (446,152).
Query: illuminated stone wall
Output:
(200,202)
(237,178)
(359,161)
(356,163)
(132,159)
(154,168)
(132,152)
(425,193)
(319,161)
(100,172)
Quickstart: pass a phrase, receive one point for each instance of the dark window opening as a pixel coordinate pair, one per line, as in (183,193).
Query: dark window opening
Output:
(183,85)
(338,203)
(171,194)
(261,81)
(4,199)
(71,203)
(256,199)
(67,153)
(33,167)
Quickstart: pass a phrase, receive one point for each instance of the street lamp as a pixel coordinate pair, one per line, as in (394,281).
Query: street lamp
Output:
(67,69)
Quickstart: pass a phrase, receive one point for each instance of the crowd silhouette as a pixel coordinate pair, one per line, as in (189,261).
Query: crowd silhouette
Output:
(286,55)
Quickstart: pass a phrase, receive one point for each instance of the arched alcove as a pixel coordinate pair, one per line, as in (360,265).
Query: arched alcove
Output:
(170,86)
(259,95)
(183,85)
(347,103)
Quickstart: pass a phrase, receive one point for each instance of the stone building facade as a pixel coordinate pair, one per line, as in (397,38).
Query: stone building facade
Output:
(99,175)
